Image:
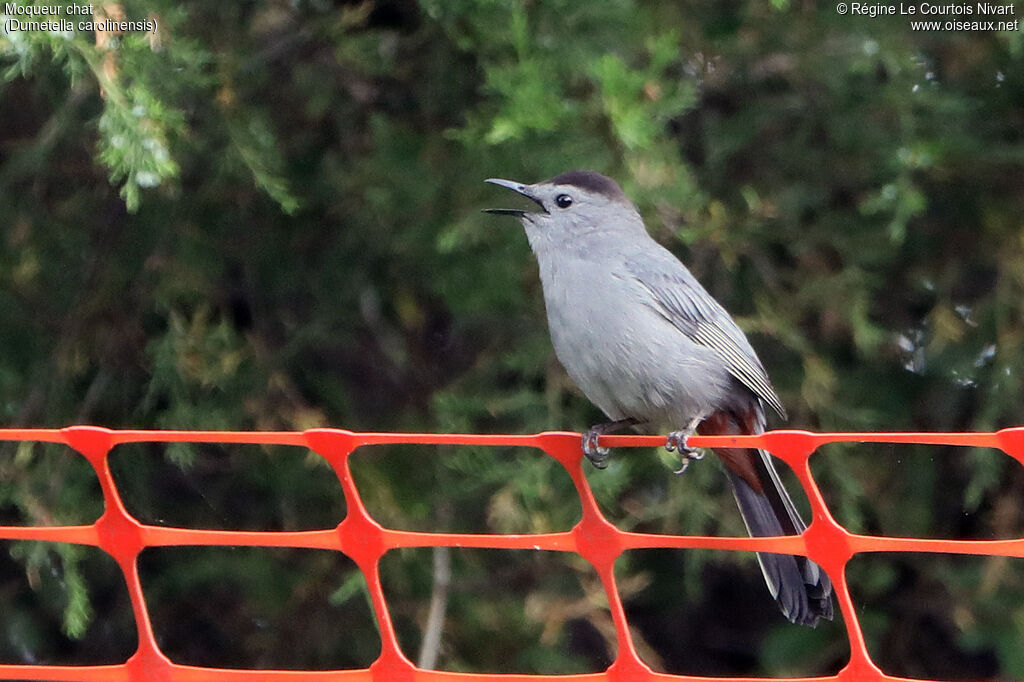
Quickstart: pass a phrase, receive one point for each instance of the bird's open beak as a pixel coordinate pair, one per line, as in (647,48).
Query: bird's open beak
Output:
(516,187)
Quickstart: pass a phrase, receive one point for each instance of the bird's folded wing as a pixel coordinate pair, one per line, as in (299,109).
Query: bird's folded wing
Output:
(676,295)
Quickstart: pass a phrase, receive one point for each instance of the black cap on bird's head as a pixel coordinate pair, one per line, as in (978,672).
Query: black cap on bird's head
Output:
(590,181)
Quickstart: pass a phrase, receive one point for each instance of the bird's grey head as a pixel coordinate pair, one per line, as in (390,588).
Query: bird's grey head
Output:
(573,205)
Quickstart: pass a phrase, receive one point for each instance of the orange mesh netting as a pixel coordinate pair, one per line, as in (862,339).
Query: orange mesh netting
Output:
(362,539)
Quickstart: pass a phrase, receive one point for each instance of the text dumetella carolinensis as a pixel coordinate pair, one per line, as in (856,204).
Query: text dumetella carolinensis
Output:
(648,345)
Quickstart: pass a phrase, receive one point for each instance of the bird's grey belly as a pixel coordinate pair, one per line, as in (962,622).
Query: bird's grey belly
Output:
(630,361)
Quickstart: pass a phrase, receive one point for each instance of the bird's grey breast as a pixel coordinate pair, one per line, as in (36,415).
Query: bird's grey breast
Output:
(625,357)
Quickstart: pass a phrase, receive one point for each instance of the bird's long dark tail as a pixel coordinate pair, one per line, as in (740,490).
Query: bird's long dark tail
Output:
(801,588)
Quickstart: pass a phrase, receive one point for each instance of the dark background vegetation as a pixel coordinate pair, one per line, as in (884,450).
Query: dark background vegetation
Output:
(266,216)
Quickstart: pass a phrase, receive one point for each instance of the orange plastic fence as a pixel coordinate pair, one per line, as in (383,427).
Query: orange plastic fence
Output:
(362,539)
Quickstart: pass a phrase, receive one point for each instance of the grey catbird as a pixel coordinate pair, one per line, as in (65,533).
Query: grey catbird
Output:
(648,345)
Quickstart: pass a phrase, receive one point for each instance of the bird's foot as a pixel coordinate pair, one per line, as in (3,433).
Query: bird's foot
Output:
(677,442)
(597,455)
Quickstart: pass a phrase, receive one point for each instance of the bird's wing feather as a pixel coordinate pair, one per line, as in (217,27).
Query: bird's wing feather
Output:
(676,295)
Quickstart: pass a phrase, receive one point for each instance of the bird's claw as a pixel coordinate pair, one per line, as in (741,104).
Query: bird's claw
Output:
(677,441)
(686,457)
(597,455)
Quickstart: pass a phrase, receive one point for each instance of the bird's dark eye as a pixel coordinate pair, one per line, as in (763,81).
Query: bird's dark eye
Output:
(563,201)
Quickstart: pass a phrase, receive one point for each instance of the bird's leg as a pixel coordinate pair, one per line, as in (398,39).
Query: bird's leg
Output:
(677,442)
(598,455)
